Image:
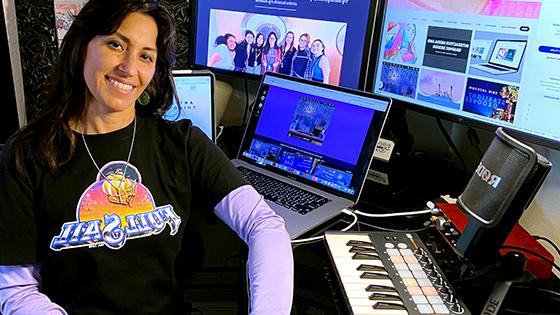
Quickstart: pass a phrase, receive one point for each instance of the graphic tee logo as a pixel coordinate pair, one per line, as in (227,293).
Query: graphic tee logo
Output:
(116,207)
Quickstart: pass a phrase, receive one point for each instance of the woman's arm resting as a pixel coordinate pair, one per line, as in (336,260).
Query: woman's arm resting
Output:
(270,263)
(19,293)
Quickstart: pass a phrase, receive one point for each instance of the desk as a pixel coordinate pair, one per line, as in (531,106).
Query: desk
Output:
(317,290)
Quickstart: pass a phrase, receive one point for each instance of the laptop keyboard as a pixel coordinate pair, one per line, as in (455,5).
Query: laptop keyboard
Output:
(279,192)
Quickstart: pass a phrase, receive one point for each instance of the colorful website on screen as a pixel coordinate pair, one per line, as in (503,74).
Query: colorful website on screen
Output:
(493,61)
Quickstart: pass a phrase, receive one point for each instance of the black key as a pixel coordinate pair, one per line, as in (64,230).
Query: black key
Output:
(359,243)
(380,288)
(374,276)
(388,306)
(385,297)
(363,250)
(361,256)
(363,267)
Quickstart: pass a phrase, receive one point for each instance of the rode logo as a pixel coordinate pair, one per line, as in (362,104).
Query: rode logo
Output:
(486,175)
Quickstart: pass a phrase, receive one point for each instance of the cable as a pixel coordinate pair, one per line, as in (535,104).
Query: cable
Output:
(451,144)
(322,237)
(397,214)
(432,209)
(551,243)
(474,140)
(553,295)
(354,219)
(556,295)
(534,254)
(509,310)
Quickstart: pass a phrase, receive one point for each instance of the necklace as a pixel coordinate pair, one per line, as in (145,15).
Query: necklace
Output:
(121,181)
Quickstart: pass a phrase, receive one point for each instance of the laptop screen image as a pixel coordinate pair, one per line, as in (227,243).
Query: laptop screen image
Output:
(508,53)
(320,135)
(196,93)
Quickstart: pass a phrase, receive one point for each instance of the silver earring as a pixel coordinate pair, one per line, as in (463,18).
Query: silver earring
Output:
(144,98)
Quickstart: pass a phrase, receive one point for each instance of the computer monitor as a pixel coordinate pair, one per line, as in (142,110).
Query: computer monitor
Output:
(486,63)
(195,90)
(343,27)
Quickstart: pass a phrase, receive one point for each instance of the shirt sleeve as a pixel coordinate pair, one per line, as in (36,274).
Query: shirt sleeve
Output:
(19,293)
(270,263)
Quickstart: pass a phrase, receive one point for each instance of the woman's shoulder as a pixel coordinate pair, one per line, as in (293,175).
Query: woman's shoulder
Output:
(167,128)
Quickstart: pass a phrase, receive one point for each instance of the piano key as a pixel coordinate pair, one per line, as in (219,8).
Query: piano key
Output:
(365,256)
(367,310)
(361,249)
(359,243)
(388,306)
(374,275)
(384,297)
(364,267)
(380,288)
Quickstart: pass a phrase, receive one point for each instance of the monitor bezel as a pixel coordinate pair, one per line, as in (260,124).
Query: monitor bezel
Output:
(366,53)
(452,117)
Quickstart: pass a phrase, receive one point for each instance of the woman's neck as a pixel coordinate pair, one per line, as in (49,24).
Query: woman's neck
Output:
(94,123)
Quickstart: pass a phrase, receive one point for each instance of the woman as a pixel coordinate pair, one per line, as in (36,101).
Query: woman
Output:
(301,58)
(224,53)
(272,54)
(319,65)
(96,191)
(288,51)
(242,51)
(255,55)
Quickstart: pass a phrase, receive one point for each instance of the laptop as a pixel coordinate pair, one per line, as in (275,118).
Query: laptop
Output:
(195,89)
(505,58)
(313,140)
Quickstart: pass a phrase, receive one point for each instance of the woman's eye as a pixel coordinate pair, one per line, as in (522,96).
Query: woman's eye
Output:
(114,44)
(148,58)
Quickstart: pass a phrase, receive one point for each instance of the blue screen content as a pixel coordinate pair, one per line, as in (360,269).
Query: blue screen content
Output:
(495,64)
(340,26)
(195,101)
(311,133)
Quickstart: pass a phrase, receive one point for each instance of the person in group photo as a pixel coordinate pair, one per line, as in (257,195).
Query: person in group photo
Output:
(224,52)
(272,54)
(319,65)
(97,190)
(242,51)
(254,60)
(302,57)
(288,51)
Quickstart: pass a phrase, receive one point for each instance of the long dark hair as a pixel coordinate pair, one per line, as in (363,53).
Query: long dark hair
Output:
(267,44)
(48,138)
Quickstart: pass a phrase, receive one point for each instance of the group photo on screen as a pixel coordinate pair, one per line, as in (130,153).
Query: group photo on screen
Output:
(257,43)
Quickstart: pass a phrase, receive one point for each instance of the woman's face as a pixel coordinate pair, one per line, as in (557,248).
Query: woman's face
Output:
(249,38)
(260,39)
(118,67)
(231,43)
(289,39)
(271,40)
(317,48)
(303,42)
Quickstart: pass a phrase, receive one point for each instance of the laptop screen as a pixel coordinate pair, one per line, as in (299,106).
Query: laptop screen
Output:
(195,91)
(322,135)
(508,53)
